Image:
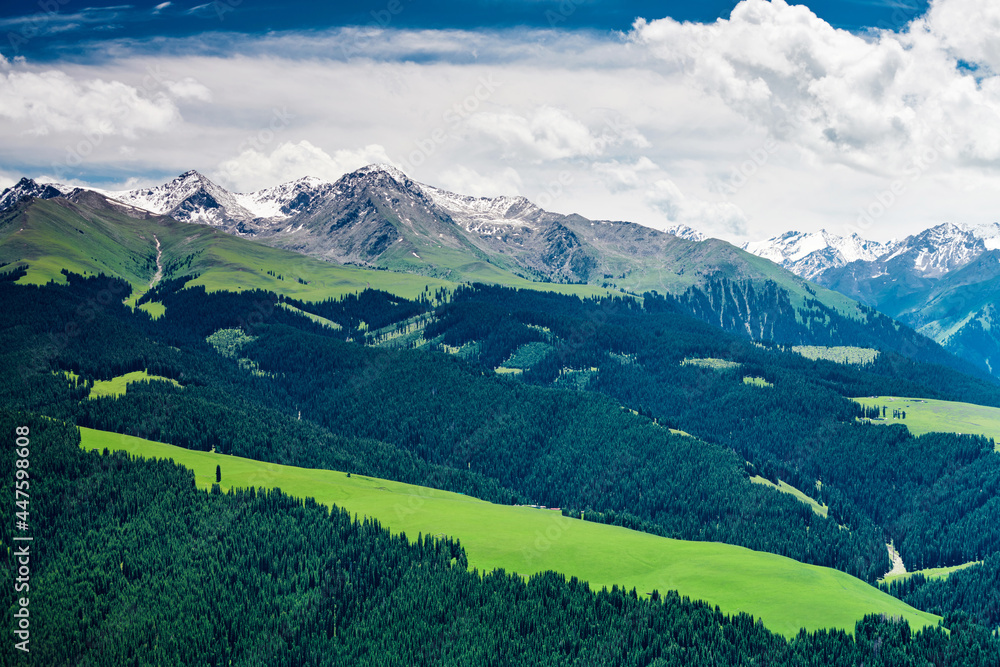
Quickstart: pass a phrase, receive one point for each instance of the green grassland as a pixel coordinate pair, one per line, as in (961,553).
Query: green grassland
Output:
(840,354)
(925,415)
(51,235)
(932,572)
(784,593)
(791,490)
(117,386)
(713,364)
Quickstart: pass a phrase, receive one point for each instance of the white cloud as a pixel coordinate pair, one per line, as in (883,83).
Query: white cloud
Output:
(545,133)
(968,29)
(466,181)
(624,176)
(40,102)
(872,102)
(254,169)
(766,121)
(722,219)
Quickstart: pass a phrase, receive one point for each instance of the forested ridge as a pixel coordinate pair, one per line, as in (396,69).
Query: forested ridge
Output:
(294,391)
(134,565)
(454,427)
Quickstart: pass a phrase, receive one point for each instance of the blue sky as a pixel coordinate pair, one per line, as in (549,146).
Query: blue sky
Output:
(743,120)
(51,29)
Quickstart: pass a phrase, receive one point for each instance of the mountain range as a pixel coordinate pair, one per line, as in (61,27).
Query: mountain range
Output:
(379,218)
(942,281)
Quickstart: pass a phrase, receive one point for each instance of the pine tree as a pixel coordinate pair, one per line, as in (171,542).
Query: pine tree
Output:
(218,474)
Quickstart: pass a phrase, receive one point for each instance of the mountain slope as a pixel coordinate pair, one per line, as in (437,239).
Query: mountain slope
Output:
(942,281)
(377,217)
(88,233)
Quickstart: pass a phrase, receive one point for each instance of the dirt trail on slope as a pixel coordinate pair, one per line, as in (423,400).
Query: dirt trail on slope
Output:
(897,561)
(159,264)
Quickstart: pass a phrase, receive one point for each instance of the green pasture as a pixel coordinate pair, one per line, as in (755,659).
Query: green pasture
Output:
(116,386)
(785,594)
(925,415)
(932,572)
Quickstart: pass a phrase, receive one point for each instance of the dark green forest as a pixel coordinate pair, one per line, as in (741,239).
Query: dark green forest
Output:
(590,427)
(137,566)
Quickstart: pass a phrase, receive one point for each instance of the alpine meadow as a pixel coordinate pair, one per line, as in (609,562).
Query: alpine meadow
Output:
(408,333)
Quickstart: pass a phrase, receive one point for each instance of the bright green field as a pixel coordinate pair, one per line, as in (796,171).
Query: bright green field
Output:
(932,572)
(784,593)
(784,487)
(117,386)
(925,415)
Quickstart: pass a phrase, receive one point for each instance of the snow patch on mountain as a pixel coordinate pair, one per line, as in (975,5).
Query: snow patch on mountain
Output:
(485,214)
(988,233)
(809,254)
(938,250)
(683,231)
(27,188)
(285,200)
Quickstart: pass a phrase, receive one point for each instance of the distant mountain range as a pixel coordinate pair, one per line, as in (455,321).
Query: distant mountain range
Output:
(378,217)
(944,281)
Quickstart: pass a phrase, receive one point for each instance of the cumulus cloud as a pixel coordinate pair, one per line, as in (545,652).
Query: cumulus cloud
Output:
(467,181)
(254,168)
(620,176)
(547,133)
(968,29)
(714,218)
(870,101)
(40,102)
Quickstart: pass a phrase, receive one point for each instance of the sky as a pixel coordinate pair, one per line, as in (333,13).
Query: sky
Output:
(743,120)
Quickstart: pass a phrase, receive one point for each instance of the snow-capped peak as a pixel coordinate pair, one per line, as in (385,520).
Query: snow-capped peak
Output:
(683,231)
(938,250)
(485,214)
(989,233)
(382,167)
(810,253)
(27,188)
(283,201)
(191,197)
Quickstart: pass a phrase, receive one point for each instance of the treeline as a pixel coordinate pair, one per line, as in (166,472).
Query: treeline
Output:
(974,590)
(450,427)
(764,312)
(559,448)
(936,496)
(140,567)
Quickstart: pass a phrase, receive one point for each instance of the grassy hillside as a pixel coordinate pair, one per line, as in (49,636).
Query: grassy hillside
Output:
(841,354)
(932,572)
(51,235)
(784,593)
(118,385)
(785,487)
(925,415)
